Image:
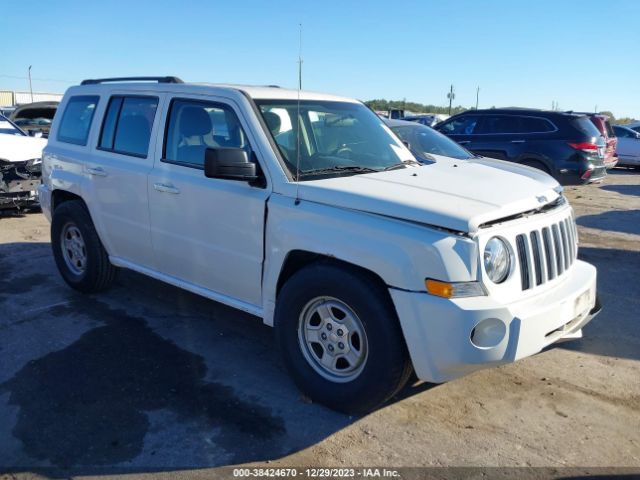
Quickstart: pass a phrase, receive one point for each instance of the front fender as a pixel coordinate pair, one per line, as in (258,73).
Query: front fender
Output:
(403,254)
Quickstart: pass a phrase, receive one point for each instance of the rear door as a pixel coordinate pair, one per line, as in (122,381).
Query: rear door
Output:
(116,175)
(499,136)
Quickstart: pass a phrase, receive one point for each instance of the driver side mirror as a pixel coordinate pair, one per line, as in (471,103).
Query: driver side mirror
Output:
(35,133)
(230,164)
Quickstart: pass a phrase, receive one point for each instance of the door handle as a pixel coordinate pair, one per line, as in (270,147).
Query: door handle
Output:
(96,171)
(517,141)
(166,188)
(464,142)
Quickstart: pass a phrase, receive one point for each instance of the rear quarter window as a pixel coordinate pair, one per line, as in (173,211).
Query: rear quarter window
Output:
(76,119)
(536,125)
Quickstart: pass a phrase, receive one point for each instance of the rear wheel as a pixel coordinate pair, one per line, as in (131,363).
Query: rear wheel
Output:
(340,338)
(536,164)
(77,249)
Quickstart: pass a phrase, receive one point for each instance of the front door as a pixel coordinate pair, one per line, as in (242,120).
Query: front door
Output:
(207,232)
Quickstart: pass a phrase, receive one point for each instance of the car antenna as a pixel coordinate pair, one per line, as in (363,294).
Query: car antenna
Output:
(297,201)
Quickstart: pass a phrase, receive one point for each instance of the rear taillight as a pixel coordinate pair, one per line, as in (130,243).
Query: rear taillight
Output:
(585,147)
(586,175)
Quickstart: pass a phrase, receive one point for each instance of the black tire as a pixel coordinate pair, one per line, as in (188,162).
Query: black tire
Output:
(99,273)
(536,164)
(387,366)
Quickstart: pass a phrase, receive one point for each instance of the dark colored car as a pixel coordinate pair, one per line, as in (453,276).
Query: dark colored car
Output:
(567,146)
(606,130)
(424,119)
(424,141)
(35,116)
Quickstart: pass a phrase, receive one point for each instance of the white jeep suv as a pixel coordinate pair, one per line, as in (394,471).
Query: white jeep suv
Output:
(306,210)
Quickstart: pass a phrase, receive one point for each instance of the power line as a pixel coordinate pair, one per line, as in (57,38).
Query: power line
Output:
(16,77)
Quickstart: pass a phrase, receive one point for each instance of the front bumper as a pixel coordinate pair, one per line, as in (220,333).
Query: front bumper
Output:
(438,331)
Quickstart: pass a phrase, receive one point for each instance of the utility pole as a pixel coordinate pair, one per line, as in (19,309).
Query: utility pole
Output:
(477,96)
(451,96)
(30,87)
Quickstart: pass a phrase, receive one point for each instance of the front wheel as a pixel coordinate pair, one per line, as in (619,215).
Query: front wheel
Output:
(340,338)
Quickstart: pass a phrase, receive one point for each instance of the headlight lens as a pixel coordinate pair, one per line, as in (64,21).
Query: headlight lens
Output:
(497,260)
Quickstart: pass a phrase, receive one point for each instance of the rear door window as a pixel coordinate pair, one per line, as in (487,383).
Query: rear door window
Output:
(76,120)
(499,124)
(127,125)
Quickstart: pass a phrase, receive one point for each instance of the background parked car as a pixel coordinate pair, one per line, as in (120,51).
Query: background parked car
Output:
(20,166)
(424,141)
(428,120)
(35,116)
(6,111)
(603,125)
(633,126)
(565,145)
(628,147)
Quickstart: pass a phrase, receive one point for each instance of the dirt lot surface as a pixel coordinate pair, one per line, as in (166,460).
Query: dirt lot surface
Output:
(147,378)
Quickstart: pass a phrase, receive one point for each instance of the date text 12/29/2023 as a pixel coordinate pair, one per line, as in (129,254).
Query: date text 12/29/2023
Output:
(315,472)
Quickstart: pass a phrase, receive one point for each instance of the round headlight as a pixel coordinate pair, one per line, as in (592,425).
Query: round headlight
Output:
(497,260)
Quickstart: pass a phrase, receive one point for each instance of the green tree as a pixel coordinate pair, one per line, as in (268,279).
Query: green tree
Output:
(383,104)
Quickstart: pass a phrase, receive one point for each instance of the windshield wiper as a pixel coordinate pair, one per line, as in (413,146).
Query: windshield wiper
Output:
(402,164)
(340,168)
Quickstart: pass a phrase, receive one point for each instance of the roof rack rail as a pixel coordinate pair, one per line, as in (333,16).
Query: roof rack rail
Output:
(95,81)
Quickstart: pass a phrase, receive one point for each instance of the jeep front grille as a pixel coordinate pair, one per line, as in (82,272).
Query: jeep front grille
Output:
(546,254)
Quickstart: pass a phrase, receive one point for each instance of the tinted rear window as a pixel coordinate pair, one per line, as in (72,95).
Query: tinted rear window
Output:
(76,120)
(426,140)
(610,131)
(584,125)
(127,125)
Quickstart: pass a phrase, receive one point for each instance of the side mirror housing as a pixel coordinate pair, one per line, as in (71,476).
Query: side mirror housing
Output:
(35,133)
(230,164)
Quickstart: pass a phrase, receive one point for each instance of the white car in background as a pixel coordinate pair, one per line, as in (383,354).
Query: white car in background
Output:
(20,166)
(628,147)
(305,210)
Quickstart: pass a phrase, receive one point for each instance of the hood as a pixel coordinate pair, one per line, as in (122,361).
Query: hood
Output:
(458,195)
(17,148)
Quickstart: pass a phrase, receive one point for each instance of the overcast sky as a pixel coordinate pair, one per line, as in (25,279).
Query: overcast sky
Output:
(578,53)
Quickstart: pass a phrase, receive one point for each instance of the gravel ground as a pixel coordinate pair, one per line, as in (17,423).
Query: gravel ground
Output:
(147,378)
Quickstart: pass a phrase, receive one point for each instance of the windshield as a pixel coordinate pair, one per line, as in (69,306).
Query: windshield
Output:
(425,140)
(331,138)
(8,128)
